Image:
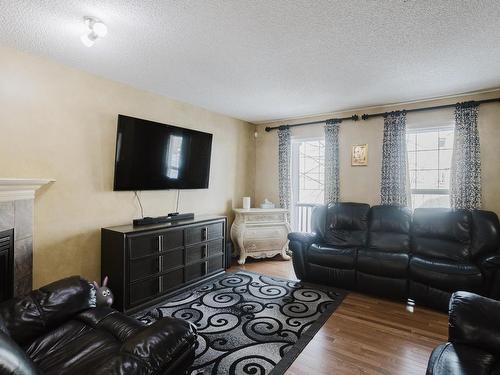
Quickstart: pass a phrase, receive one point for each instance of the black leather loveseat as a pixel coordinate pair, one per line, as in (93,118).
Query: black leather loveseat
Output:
(387,251)
(474,338)
(59,330)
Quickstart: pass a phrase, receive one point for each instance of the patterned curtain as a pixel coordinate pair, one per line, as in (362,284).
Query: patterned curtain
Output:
(394,184)
(332,189)
(465,182)
(284,166)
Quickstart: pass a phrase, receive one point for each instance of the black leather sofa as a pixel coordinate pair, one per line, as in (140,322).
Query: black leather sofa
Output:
(474,338)
(385,250)
(59,330)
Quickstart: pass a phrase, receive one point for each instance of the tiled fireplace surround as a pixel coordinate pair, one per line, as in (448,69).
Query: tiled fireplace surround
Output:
(16,211)
(18,214)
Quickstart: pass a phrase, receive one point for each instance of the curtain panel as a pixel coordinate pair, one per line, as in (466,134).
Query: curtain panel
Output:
(394,182)
(332,187)
(284,166)
(465,181)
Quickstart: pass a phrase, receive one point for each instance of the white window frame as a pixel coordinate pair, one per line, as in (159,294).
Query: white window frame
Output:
(295,175)
(429,130)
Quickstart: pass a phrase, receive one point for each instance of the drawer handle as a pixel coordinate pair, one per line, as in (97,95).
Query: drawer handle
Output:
(160,284)
(204,234)
(160,243)
(204,251)
(206,268)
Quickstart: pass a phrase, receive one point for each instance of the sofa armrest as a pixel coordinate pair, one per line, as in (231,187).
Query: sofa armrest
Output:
(303,237)
(299,243)
(161,343)
(490,267)
(13,360)
(475,320)
(490,261)
(28,317)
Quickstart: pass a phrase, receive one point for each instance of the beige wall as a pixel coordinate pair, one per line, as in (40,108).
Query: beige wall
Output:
(362,184)
(58,122)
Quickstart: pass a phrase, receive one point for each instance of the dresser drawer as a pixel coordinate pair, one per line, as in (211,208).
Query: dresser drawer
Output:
(151,288)
(143,267)
(215,264)
(144,245)
(196,270)
(266,217)
(255,245)
(203,250)
(143,290)
(204,233)
(268,232)
(172,280)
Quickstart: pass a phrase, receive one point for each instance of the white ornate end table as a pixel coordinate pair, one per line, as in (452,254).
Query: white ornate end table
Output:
(260,232)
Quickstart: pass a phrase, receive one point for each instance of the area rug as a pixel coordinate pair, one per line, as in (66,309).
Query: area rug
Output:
(250,323)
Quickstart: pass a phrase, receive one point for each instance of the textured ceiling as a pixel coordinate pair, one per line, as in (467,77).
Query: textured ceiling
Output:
(268,59)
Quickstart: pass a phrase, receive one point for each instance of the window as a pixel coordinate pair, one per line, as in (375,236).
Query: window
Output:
(429,161)
(308,176)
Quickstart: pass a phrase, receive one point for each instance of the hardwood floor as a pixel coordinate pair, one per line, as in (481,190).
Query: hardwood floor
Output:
(365,335)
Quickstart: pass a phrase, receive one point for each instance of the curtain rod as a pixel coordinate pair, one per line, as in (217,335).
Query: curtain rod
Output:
(367,116)
(333,120)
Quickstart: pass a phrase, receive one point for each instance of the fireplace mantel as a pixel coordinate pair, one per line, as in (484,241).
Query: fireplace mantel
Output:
(13,189)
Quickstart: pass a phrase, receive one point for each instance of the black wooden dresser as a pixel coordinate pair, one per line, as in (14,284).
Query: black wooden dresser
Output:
(144,264)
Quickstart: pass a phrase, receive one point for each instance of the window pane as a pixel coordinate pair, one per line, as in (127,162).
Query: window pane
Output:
(411,140)
(427,140)
(427,179)
(429,162)
(445,159)
(446,139)
(427,159)
(444,179)
(311,172)
(413,179)
(412,160)
(430,200)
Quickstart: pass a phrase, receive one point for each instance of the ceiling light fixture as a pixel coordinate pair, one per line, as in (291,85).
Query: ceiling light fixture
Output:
(95,29)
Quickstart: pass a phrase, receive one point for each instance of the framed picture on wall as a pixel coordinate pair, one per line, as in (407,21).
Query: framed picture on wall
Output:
(359,155)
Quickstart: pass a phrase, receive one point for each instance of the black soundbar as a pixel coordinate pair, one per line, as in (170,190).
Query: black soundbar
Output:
(163,219)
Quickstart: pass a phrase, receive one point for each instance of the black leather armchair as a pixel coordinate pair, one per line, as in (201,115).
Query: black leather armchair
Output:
(59,330)
(474,338)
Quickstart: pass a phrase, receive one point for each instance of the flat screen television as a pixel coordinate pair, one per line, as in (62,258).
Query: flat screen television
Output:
(154,156)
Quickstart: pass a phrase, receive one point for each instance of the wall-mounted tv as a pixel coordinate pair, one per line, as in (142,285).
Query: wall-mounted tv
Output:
(154,156)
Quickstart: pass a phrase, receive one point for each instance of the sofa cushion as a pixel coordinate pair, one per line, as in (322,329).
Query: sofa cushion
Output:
(389,229)
(347,224)
(383,263)
(442,233)
(104,341)
(446,275)
(330,256)
(73,348)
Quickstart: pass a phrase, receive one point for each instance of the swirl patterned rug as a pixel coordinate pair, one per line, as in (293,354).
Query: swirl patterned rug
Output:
(250,323)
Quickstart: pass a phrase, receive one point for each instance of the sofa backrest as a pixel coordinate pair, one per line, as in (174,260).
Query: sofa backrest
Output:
(318,220)
(389,229)
(442,233)
(346,224)
(485,233)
